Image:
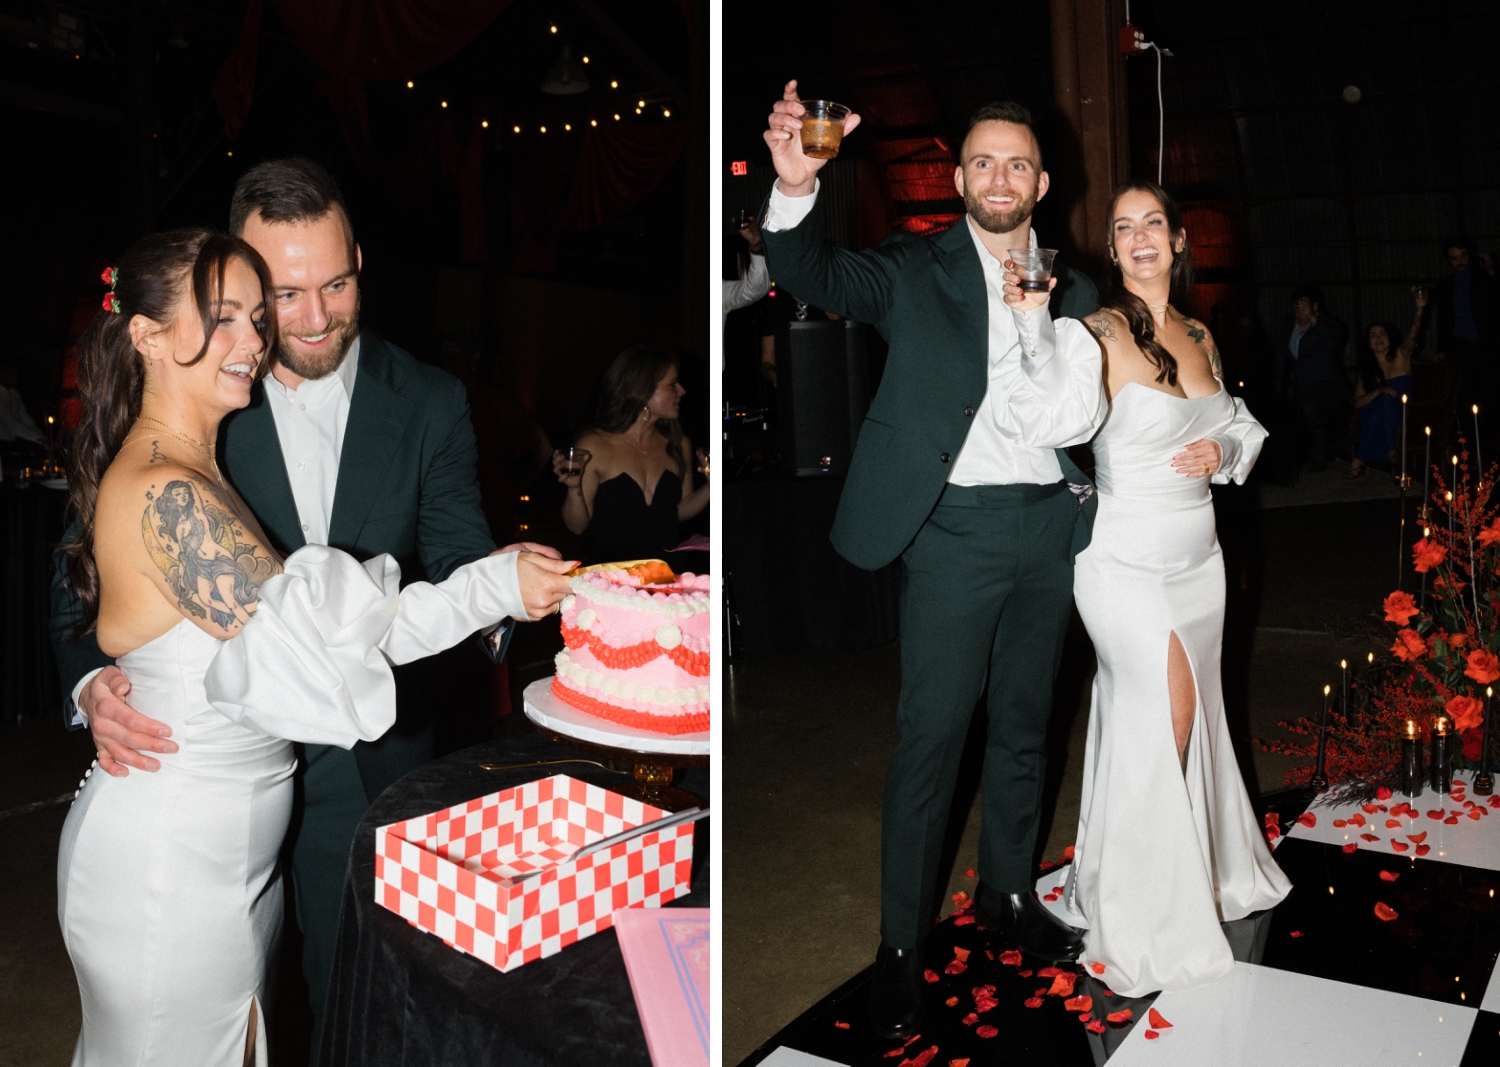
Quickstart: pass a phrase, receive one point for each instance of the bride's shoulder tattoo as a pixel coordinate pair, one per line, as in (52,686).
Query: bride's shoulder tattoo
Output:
(1198,332)
(212,565)
(1101,326)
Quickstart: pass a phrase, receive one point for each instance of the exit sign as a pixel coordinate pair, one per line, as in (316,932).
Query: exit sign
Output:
(739,168)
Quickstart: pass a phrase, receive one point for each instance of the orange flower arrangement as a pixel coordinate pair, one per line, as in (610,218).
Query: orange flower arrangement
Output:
(1399,608)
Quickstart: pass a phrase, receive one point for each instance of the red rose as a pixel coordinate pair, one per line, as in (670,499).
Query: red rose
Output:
(1427,555)
(1484,668)
(1490,534)
(1458,640)
(108,276)
(1399,608)
(1409,646)
(1473,744)
(1467,713)
(109,299)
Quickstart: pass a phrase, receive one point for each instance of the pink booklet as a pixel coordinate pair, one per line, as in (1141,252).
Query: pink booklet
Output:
(666,954)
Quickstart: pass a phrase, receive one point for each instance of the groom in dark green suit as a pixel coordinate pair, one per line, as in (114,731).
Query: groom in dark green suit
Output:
(959,473)
(350,442)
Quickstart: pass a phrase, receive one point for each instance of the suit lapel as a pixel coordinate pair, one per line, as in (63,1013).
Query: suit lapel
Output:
(378,416)
(254,464)
(960,262)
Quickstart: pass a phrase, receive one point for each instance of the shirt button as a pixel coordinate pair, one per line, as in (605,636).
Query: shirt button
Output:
(304,527)
(301,407)
(301,466)
(944,457)
(968,413)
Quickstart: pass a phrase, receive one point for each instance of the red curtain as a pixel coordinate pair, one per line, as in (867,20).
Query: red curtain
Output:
(375,40)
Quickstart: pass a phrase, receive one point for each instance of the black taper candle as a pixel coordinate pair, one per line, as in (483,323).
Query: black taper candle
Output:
(1320,778)
(1484,784)
(1442,766)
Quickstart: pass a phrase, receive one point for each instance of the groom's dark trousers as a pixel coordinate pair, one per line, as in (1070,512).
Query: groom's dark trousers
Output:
(987,571)
(407,485)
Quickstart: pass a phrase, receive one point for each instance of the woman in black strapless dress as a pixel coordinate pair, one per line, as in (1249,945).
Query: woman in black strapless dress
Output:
(637,486)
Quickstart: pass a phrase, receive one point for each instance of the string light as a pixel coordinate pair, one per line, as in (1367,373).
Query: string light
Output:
(637,111)
(554,28)
(567,125)
(445,103)
(231,155)
(614,85)
(585,59)
(593,122)
(665,113)
(411,85)
(640,103)
(617,116)
(484,124)
(518,129)
(544,129)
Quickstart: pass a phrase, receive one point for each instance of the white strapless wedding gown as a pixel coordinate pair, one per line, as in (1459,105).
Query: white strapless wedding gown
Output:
(1162,857)
(169,894)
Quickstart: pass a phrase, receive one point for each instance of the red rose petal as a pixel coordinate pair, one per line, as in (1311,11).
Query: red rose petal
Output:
(987,1031)
(1400,846)
(1026,974)
(1422,850)
(1011,957)
(952,1002)
(959,967)
(842,1026)
(970,1019)
(1434,814)
(922,1059)
(1295,933)
(1495,801)
(1369,837)
(1069,852)
(1062,985)
(1086,1016)
(1118,1017)
(1476,814)
(1042,992)
(1096,1026)
(893,1053)
(1079,1003)
(1049,972)
(1050,897)
(1097,968)
(962,920)
(970,873)
(1351,847)
(1451,820)
(1417,839)
(1045,865)
(1356,820)
(959,1063)
(1308,819)
(960,899)
(1339,824)
(1152,1035)
(961,954)
(1384,912)
(1158,1020)
(930,975)
(1388,876)
(1109,993)
(1393,824)
(1033,1002)
(1370,809)
(1383,792)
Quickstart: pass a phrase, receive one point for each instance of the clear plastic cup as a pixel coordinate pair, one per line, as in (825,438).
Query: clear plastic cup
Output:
(1033,266)
(822,128)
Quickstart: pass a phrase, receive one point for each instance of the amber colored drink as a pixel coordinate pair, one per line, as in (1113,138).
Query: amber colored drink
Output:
(822,128)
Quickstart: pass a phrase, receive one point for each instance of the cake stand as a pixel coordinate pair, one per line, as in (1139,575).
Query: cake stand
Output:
(654,756)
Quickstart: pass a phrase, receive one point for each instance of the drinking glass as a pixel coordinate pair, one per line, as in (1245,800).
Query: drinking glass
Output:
(1033,266)
(822,128)
(575,459)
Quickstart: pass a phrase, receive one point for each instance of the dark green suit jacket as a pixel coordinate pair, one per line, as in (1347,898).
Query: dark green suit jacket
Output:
(407,485)
(926,296)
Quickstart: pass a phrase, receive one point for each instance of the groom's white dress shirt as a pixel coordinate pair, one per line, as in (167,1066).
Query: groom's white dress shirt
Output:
(1046,378)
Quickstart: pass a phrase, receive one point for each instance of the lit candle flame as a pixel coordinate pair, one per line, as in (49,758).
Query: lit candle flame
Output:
(1371,657)
(1403,398)
(1427,430)
(1411,728)
(1442,726)
(1343,664)
(1327,689)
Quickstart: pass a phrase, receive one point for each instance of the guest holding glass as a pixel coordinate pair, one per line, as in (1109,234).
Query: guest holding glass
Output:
(628,478)
(1384,375)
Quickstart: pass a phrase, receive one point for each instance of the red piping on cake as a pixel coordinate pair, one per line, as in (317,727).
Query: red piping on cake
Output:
(638,655)
(640,720)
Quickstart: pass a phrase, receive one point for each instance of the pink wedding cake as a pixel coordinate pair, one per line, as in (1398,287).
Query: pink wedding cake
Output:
(637,650)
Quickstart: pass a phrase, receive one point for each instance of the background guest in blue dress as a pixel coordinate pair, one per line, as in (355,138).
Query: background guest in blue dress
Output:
(1384,374)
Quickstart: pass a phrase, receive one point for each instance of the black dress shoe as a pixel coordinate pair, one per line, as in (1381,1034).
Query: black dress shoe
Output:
(1021,917)
(896,992)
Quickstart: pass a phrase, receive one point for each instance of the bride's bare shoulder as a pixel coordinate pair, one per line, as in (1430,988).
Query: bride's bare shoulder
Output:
(1108,325)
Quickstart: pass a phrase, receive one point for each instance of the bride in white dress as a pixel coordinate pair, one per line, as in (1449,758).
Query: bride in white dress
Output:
(168,891)
(1168,845)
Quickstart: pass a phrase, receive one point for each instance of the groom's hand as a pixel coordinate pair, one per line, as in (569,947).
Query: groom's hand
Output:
(122,735)
(796,170)
(1019,298)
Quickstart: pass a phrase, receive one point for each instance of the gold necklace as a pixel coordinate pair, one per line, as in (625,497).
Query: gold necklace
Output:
(202,446)
(180,436)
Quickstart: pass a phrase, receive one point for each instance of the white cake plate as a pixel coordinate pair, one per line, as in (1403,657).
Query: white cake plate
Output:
(550,713)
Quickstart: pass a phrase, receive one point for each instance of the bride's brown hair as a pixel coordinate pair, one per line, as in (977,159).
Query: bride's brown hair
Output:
(150,280)
(1137,315)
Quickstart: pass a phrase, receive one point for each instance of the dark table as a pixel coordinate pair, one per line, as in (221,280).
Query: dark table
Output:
(399,995)
(31,522)
(786,587)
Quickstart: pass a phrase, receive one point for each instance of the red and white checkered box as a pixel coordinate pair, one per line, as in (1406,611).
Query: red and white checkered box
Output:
(451,873)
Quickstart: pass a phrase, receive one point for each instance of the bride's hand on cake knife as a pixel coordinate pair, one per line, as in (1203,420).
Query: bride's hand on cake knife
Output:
(544,583)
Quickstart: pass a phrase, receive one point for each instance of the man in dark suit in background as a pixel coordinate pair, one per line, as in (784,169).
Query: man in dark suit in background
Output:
(960,474)
(348,442)
(1468,322)
(1310,370)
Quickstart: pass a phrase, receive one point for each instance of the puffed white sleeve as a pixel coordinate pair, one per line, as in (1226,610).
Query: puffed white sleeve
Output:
(1050,394)
(314,663)
(1240,444)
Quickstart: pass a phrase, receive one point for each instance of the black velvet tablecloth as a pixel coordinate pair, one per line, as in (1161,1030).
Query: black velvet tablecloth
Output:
(31,522)
(786,587)
(401,996)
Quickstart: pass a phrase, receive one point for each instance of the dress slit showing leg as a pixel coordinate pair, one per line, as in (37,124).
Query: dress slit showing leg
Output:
(1172,696)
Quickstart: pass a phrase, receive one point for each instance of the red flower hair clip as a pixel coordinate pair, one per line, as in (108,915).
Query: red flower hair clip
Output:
(111,301)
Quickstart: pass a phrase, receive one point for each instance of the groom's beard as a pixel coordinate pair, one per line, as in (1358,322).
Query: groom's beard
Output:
(314,366)
(998,221)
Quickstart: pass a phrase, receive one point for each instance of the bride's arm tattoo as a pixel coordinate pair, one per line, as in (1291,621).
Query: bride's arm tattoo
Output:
(1100,326)
(1198,332)
(212,565)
